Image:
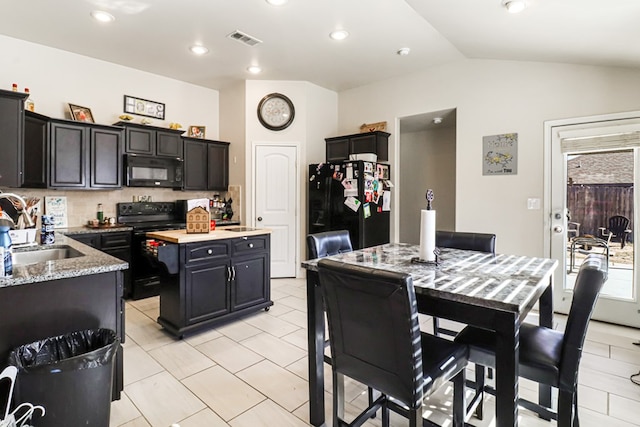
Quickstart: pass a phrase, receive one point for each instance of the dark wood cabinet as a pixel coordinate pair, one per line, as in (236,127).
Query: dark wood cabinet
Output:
(217,280)
(207,291)
(69,155)
(206,164)
(339,148)
(151,140)
(218,166)
(114,243)
(105,152)
(36,143)
(63,305)
(11,138)
(195,165)
(84,156)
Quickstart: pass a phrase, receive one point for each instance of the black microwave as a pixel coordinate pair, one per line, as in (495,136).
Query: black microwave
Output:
(148,171)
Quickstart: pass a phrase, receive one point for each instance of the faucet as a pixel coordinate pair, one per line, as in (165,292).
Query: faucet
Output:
(24,216)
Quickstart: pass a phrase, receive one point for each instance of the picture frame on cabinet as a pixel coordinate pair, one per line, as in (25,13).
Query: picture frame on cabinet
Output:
(144,107)
(80,114)
(196,131)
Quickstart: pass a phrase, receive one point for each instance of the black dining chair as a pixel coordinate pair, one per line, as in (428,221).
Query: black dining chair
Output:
(320,245)
(547,356)
(376,340)
(482,242)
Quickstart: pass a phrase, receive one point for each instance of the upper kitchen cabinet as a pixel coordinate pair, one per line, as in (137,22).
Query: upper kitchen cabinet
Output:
(84,156)
(339,148)
(11,138)
(206,164)
(36,143)
(151,140)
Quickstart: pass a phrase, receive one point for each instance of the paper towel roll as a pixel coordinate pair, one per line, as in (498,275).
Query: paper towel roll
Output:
(427,235)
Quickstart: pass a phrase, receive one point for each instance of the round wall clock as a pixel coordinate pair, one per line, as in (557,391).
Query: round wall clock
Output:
(276,112)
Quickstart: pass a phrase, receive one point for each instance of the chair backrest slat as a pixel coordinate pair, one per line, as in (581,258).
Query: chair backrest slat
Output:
(483,242)
(589,282)
(328,243)
(373,328)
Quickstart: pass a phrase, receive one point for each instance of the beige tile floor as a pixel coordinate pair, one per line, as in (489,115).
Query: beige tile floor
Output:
(253,373)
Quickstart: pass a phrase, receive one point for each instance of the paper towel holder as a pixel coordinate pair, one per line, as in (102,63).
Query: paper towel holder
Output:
(417,260)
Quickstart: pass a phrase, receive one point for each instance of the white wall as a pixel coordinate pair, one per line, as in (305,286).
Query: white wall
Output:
(56,77)
(493,97)
(315,119)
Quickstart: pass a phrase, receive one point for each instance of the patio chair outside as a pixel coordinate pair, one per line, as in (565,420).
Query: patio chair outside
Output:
(618,229)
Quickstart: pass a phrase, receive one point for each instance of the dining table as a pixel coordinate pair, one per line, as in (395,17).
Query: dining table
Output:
(495,292)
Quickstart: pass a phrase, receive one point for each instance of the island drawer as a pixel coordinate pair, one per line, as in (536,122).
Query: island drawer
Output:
(250,244)
(196,252)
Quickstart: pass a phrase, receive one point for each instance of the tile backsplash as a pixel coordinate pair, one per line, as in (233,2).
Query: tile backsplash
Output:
(83,205)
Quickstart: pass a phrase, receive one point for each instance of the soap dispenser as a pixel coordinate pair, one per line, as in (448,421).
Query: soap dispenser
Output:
(6,269)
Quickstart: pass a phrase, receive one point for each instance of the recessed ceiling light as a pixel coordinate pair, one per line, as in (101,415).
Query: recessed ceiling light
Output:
(437,120)
(102,16)
(198,49)
(254,69)
(339,34)
(403,51)
(277,2)
(515,6)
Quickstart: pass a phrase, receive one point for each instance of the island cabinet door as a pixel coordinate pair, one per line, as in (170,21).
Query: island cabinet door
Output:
(249,285)
(207,290)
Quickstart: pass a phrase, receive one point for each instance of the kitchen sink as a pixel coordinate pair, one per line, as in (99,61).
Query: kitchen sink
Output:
(43,255)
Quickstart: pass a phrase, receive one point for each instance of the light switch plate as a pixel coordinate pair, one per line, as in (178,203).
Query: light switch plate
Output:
(533,204)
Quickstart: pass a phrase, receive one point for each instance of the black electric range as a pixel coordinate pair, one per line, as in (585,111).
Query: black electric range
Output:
(145,217)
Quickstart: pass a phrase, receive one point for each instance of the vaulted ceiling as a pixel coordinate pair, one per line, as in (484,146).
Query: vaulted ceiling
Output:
(154,35)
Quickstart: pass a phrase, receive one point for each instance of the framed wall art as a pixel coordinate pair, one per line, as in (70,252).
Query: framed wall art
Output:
(80,114)
(144,107)
(196,131)
(500,154)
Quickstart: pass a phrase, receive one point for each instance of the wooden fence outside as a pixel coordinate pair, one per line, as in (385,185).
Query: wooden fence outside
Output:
(591,205)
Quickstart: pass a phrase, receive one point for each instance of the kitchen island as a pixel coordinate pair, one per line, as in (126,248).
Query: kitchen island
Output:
(80,289)
(211,278)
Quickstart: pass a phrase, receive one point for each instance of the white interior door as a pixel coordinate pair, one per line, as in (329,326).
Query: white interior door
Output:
(276,202)
(590,144)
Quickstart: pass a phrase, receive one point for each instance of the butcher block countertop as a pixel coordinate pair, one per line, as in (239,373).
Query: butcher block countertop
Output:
(181,236)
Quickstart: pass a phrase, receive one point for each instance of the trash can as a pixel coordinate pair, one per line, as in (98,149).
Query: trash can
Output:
(70,375)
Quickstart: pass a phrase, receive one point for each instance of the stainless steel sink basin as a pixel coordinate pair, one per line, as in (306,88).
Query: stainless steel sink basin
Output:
(43,255)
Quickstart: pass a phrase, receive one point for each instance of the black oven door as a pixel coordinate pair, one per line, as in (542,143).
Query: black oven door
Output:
(147,171)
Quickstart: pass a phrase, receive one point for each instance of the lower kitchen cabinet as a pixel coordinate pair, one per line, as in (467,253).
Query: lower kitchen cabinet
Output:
(116,243)
(213,281)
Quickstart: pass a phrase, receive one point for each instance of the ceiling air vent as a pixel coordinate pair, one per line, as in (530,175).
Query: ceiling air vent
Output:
(244,38)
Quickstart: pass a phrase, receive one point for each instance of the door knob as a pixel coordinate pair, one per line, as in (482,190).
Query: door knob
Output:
(558,229)
(259,218)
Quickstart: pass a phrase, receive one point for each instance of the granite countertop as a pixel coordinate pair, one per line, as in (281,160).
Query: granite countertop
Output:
(93,262)
(86,229)
(181,236)
(505,282)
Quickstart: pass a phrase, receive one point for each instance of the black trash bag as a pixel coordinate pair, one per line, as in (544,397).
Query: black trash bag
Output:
(71,375)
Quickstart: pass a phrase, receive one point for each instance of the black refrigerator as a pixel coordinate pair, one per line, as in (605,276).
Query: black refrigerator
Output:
(351,196)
